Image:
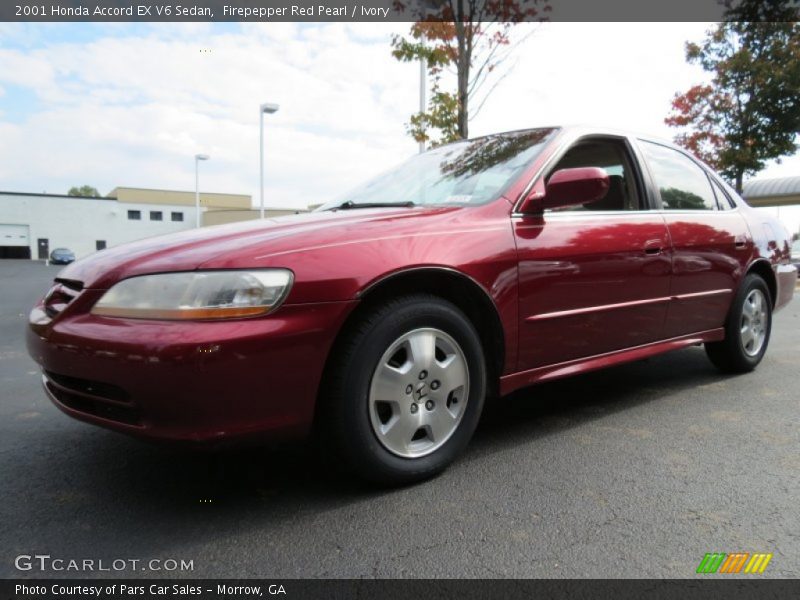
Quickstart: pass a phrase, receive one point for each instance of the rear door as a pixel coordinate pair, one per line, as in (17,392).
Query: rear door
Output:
(593,278)
(710,240)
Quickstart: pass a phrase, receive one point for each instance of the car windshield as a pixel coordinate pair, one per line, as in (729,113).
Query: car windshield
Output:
(463,173)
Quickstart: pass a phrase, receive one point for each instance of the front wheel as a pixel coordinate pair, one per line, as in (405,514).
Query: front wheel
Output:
(406,391)
(747,329)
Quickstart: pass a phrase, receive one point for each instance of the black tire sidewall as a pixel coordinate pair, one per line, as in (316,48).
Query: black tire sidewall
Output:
(357,439)
(751,283)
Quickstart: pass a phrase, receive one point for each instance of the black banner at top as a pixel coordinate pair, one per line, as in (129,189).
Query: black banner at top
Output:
(263,11)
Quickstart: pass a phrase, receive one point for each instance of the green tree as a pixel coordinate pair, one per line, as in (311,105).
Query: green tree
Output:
(85,191)
(749,112)
(472,39)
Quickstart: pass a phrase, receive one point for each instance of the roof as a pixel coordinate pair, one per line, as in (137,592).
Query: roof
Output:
(763,188)
(113,193)
(56,196)
(180,197)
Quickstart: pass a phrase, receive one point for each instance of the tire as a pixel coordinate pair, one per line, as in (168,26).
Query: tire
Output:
(396,372)
(747,329)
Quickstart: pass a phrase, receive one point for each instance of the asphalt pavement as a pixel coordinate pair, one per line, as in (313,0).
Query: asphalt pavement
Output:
(635,471)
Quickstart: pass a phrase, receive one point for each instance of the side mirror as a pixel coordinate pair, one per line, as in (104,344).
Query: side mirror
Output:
(568,187)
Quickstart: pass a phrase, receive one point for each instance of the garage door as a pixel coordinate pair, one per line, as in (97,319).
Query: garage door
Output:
(14,241)
(14,235)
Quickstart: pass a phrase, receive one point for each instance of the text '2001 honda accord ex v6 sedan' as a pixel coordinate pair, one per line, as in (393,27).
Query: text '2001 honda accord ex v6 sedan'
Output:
(383,320)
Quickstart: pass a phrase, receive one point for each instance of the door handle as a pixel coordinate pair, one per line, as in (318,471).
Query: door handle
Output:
(740,241)
(653,247)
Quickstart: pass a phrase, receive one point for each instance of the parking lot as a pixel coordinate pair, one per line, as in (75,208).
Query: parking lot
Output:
(637,471)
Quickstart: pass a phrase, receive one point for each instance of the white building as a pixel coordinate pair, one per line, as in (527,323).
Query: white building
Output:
(33,225)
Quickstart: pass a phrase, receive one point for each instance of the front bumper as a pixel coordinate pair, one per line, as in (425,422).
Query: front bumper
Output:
(188,381)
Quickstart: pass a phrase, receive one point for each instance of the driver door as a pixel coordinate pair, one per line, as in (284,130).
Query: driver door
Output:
(593,278)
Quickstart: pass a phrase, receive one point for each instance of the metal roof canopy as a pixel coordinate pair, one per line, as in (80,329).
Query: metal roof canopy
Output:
(781,191)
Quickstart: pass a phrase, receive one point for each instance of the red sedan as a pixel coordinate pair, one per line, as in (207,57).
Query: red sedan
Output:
(383,320)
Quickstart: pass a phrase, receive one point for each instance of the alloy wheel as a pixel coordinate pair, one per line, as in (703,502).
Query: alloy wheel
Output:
(753,327)
(419,392)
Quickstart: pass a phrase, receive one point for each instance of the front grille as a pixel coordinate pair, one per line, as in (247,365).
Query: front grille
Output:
(95,398)
(60,295)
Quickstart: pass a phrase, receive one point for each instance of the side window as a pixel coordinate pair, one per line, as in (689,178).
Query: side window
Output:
(723,200)
(682,183)
(612,156)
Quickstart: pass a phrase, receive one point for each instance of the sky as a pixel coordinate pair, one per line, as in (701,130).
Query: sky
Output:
(131,104)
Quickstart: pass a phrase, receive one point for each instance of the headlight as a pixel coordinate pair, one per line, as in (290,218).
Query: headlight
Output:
(197,295)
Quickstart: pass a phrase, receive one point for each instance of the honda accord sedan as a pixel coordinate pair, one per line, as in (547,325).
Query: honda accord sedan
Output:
(382,321)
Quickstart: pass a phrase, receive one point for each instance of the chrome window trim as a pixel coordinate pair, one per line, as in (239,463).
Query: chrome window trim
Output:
(681,211)
(576,214)
(571,137)
(620,213)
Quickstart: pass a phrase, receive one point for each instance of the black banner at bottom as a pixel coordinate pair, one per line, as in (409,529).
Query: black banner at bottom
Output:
(389,589)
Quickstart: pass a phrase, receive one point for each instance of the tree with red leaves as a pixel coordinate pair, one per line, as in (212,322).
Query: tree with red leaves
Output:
(749,113)
(473,37)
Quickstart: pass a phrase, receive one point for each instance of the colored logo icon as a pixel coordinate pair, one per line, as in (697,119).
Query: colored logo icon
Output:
(738,562)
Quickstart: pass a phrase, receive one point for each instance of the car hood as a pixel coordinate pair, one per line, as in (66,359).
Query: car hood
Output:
(251,244)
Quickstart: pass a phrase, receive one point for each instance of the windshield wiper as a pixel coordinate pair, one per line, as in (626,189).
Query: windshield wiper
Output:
(349,204)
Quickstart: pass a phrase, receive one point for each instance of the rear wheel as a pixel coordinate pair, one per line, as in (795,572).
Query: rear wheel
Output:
(747,329)
(406,390)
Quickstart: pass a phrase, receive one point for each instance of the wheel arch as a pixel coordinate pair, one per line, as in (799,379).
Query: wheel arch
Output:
(763,268)
(449,284)
(456,287)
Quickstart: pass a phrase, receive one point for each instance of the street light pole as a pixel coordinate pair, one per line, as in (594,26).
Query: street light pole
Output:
(197,159)
(267,108)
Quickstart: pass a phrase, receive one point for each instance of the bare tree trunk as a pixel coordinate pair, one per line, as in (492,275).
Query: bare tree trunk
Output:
(463,100)
(739,177)
(462,68)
